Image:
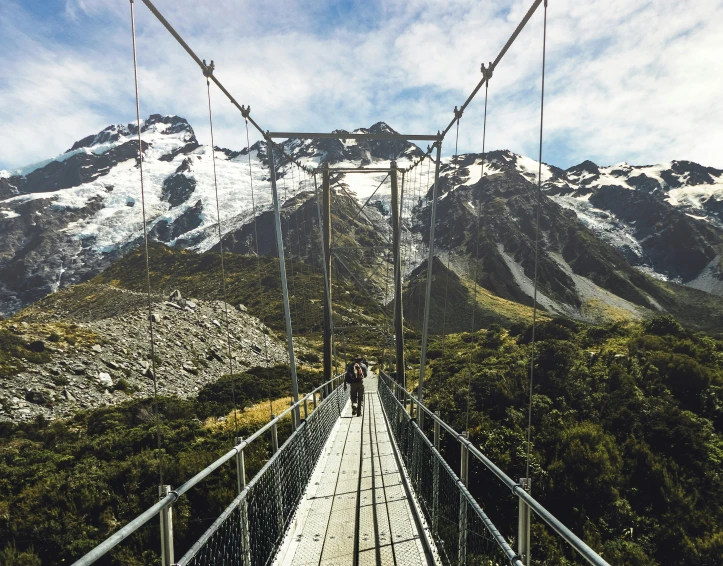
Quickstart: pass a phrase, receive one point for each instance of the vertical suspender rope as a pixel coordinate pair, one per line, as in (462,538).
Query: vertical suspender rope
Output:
(449,252)
(488,73)
(145,240)
(258,255)
(420,257)
(300,259)
(223,266)
(537,246)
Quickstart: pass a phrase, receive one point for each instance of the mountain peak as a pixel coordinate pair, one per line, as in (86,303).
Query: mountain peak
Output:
(382,128)
(168,125)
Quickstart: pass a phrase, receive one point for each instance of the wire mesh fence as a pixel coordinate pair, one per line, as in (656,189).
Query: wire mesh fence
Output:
(462,533)
(252,527)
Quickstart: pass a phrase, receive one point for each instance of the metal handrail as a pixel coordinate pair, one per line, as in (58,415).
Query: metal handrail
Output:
(135,524)
(191,553)
(566,534)
(512,556)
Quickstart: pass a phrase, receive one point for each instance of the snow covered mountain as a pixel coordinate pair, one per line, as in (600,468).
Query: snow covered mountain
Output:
(666,220)
(66,219)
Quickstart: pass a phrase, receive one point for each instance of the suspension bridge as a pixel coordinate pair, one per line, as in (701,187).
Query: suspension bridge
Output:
(391,486)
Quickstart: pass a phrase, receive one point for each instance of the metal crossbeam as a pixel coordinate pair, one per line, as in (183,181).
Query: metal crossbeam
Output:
(356,170)
(350,136)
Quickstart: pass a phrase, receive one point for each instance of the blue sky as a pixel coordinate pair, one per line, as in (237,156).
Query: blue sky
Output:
(626,81)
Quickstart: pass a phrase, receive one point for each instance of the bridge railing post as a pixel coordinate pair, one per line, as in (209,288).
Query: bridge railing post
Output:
(464,478)
(435,489)
(241,484)
(275,472)
(523,524)
(167,558)
(306,407)
(294,417)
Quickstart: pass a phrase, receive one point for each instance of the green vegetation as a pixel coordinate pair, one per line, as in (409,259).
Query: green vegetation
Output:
(199,275)
(67,485)
(22,343)
(453,300)
(627,433)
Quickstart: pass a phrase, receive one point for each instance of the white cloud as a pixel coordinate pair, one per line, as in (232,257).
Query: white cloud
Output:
(625,81)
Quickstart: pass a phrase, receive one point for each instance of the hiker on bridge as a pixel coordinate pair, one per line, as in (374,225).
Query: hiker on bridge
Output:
(362,363)
(354,376)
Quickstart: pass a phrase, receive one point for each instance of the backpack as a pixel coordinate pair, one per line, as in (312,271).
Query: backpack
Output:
(350,376)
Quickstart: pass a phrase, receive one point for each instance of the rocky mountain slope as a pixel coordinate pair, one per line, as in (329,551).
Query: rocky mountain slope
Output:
(610,235)
(665,219)
(93,346)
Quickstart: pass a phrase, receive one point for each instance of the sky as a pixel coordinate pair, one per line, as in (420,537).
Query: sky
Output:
(626,80)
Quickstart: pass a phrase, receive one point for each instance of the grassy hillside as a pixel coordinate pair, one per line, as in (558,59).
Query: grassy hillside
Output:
(256,284)
(627,433)
(67,485)
(458,295)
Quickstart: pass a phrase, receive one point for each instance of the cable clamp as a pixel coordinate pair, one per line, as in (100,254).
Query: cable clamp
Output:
(245,111)
(487,71)
(458,113)
(208,69)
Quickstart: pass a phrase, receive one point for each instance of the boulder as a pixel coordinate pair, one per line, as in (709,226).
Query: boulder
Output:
(36,346)
(97,348)
(175,296)
(105,379)
(190,367)
(78,369)
(39,397)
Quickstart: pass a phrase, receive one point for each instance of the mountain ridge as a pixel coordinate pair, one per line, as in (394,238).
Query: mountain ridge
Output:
(73,217)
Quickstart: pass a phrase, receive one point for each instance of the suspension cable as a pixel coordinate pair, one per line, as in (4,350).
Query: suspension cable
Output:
(299,258)
(479,201)
(537,245)
(145,241)
(258,256)
(449,252)
(220,244)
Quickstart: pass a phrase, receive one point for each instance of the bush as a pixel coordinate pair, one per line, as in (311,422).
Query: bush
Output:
(663,326)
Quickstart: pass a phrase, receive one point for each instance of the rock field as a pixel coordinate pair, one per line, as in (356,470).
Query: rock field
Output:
(114,364)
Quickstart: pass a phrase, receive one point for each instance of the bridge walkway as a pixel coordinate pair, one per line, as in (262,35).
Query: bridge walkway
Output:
(356,509)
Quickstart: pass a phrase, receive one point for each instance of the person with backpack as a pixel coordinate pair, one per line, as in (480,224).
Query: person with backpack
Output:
(362,363)
(354,376)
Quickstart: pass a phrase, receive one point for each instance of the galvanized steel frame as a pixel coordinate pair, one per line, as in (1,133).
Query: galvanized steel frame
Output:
(326,390)
(410,439)
(517,489)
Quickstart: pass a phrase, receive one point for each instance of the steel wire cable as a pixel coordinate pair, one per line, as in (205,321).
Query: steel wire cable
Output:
(420,259)
(258,258)
(145,242)
(449,251)
(537,246)
(440,493)
(479,205)
(299,257)
(291,248)
(223,265)
(252,527)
